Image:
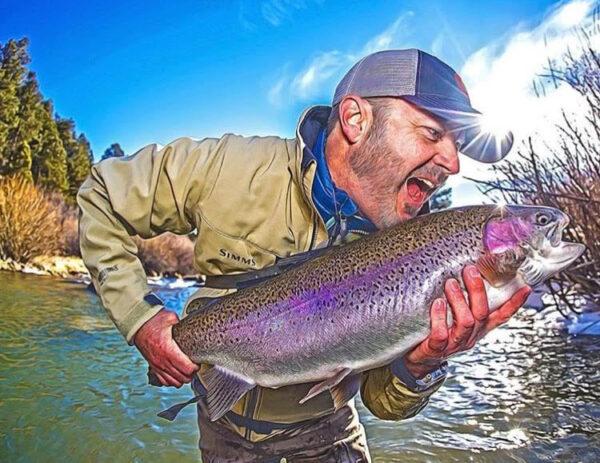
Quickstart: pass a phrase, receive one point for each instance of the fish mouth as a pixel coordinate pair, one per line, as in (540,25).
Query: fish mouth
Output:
(555,232)
(538,267)
(570,252)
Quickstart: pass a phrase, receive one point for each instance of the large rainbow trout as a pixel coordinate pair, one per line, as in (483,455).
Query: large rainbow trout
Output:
(365,304)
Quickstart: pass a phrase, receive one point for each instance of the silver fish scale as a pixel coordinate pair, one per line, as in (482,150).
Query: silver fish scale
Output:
(365,301)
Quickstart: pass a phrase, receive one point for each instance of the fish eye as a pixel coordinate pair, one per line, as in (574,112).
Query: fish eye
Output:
(542,219)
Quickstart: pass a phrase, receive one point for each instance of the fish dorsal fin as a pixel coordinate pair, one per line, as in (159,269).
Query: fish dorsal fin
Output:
(330,382)
(494,269)
(223,389)
(343,392)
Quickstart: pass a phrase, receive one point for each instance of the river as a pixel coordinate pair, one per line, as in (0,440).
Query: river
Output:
(71,389)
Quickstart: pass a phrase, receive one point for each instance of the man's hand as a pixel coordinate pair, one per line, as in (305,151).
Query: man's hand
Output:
(471,322)
(155,341)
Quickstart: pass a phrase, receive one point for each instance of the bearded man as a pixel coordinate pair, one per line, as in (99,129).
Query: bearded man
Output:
(398,120)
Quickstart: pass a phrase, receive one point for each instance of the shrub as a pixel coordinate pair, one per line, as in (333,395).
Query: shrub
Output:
(69,234)
(29,221)
(566,177)
(167,254)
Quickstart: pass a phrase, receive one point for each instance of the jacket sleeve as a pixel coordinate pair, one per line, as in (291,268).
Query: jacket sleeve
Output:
(386,392)
(145,194)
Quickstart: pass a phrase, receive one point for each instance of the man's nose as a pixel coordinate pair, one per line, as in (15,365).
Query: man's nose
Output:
(447,156)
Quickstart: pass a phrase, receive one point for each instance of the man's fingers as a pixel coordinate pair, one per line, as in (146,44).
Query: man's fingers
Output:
(160,377)
(167,379)
(181,370)
(506,311)
(476,292)
(438,338)
(181,361)
(477,302)
(463,318)
(176,374)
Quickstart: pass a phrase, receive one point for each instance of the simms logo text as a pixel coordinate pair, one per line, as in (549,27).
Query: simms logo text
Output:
(244,260)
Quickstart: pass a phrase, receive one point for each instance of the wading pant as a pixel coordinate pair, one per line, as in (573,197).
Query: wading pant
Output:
(335,438)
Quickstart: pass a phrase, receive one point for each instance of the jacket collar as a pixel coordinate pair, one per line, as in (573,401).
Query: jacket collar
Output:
(310,124)
(335,207)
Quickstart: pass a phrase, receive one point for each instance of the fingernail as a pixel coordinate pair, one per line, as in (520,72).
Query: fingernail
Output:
(438,303)
(473,272)
(454,284)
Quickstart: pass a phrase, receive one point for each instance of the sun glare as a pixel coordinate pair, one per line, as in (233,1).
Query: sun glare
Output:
(495,123)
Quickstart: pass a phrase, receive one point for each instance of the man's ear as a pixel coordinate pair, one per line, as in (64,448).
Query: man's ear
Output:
(356,116)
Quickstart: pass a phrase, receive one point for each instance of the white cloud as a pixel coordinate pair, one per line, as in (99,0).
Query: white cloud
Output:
(308,81)
(500,76)
(326,68)
(274,12)
(439,43)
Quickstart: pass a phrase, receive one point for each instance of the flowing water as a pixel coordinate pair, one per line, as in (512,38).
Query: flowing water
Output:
(72,390)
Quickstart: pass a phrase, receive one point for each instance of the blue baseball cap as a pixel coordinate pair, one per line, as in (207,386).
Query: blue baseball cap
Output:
(429,83)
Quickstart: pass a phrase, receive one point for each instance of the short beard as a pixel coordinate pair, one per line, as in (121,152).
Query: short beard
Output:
(372,164)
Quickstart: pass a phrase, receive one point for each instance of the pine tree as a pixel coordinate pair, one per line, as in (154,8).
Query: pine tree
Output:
(115,151)
(15,153)
(78,152)
(49,159)
(81,165)
(32,142)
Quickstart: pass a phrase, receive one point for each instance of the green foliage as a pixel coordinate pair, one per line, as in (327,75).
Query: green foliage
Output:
(49,159)
(33,143)
(78,152)
(15,155)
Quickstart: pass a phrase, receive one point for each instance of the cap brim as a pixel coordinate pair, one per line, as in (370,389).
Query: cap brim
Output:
(466,121)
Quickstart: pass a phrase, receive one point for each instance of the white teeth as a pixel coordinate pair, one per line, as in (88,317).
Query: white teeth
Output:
(427,182)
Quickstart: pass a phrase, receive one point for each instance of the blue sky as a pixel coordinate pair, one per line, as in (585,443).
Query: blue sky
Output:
(149,72)
(143,72)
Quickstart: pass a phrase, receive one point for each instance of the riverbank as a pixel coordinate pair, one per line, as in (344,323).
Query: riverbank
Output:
(60,266)
(73,268)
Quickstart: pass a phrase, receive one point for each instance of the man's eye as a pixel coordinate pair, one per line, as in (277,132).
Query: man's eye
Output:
(434,133)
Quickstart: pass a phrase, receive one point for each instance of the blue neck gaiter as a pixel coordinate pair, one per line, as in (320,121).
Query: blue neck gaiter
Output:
(337,209)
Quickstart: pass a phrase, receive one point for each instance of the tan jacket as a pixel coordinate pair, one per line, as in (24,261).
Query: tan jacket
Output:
(250,200)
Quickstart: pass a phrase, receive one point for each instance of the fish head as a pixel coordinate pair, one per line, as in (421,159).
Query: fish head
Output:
(527,240)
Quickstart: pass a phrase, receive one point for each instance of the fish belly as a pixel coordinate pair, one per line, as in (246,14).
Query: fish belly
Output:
(358,324)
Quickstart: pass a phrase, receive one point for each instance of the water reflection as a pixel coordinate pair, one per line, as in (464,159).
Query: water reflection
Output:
(71,389)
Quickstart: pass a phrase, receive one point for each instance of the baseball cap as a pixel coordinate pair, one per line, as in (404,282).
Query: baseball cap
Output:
(432,85)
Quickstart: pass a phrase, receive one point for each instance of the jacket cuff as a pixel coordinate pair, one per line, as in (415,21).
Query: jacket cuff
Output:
(140,314)
(429,381)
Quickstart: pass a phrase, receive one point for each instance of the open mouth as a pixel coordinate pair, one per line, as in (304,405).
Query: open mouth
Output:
(419,189)
(555,233)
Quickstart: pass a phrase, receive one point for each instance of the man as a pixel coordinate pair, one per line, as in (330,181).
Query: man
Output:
(399,119)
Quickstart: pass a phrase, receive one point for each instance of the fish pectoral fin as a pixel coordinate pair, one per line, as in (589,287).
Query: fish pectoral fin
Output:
(223,389)
(330,382)
(343,392)
(491,269)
